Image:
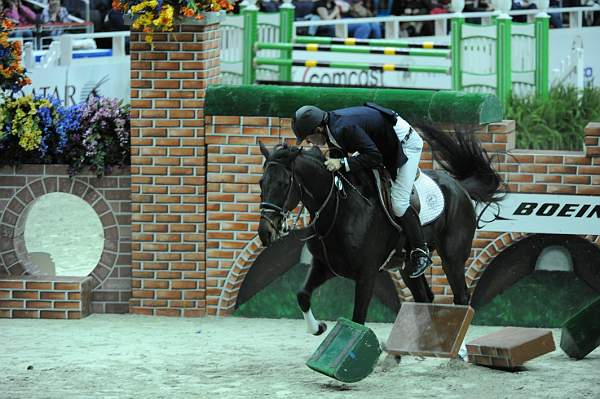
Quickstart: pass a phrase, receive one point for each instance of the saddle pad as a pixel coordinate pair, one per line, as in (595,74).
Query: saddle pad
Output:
(431,198)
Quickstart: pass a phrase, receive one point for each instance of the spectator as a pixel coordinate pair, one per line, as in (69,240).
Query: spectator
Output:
(305,10)
(555,18)
(268,5)
(328,10)
(363,9)
(521,5)
(414,7)
(19,14)
(54,13)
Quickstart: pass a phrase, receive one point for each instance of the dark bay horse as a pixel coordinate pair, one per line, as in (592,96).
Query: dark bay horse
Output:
(351,235)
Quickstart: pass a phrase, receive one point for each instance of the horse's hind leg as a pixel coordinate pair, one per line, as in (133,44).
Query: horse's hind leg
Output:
(317,275)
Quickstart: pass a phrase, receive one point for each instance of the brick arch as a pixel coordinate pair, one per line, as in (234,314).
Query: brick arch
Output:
(242,264)
(237,274)
(494,248)
(487,254)
(15,258)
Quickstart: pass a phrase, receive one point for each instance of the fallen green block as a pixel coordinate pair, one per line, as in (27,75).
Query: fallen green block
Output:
(348,353)
(580,335)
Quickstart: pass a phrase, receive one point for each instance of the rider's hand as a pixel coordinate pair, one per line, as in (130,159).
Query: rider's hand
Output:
(333,164)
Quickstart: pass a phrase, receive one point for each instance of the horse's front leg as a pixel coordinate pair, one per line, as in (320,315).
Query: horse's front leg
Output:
(363,292)
(317,275)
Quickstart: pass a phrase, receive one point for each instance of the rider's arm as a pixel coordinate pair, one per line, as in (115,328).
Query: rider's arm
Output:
(355,139)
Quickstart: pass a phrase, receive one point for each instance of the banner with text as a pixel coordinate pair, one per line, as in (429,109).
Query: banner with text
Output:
(542,213)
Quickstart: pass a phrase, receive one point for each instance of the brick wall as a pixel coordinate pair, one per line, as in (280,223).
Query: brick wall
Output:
(168,82)
(108,196)
(45,297)
(235,166)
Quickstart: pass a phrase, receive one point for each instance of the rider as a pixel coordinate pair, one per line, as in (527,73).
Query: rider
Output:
(380,136)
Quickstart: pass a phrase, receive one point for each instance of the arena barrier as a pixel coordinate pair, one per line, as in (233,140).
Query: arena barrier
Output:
(480,56)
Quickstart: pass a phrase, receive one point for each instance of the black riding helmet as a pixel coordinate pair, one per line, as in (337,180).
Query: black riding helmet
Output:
(305,120)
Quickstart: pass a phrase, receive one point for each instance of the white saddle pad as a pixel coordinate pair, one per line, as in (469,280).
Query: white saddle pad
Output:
(431,197)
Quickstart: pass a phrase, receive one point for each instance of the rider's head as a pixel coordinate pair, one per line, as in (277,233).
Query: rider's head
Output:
(308,124)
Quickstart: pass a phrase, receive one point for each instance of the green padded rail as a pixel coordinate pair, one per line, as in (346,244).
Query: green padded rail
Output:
(448,107)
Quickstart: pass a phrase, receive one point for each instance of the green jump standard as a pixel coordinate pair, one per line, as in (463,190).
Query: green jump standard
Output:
(424,106)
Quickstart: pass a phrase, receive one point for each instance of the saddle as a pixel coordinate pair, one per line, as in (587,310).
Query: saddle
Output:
(383,180)
(426,197)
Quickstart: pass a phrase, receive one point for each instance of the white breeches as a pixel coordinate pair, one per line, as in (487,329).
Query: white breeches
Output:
(403,185)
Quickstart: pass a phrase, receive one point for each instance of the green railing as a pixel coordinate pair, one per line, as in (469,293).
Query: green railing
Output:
(287,44)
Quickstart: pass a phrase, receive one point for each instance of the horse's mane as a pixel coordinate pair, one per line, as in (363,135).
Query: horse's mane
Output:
(285,153)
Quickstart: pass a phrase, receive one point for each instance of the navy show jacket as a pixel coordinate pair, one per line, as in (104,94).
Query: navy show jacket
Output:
(369,132)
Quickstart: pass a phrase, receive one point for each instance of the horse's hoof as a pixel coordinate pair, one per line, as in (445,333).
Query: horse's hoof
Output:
(322,328)
(389,362)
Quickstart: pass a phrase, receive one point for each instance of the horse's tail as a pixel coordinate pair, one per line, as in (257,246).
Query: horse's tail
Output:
(461,155)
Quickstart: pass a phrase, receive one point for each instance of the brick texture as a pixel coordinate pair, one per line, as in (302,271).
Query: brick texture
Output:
(45,297)
(168,192)
(108,196)
(235,166)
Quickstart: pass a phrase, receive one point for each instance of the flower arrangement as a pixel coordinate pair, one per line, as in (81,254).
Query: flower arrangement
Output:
(41,130)
(12,73)
(158,15)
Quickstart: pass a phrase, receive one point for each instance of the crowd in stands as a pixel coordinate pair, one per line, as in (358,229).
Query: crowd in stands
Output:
(29,17)
(318,10)
(45,16)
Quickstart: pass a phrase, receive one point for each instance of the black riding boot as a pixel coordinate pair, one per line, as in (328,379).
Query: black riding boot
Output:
(419,256)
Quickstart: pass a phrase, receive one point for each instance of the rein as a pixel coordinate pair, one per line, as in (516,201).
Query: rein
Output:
(270,207)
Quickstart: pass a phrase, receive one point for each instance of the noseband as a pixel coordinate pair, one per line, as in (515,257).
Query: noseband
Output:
(266,207)
(273,208)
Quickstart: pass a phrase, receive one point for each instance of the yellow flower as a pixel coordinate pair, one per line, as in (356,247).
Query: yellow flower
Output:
(139,7)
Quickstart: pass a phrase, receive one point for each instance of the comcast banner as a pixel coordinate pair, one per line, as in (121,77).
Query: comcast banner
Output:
(542,213)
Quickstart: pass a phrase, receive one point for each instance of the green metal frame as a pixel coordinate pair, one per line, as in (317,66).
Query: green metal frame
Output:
(288,44)
(503,59)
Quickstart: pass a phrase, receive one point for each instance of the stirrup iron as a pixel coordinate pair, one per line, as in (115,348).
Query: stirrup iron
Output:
(419,271)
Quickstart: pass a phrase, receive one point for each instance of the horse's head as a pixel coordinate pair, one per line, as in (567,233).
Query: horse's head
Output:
(280,190)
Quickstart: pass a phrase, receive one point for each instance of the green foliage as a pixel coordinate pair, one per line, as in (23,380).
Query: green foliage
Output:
(541,299)
(555,124)
(333,299)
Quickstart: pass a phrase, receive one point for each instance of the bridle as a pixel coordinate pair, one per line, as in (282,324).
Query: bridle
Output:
(269,207)
(266,207)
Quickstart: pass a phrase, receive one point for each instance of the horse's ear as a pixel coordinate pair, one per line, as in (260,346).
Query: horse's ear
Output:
(263,149)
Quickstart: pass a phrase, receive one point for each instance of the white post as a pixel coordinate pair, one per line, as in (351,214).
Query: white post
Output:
(579,66)
(66,49)
(118,46)
(441,27)
(341,30)
(28,57)
(392,30)
(575,19)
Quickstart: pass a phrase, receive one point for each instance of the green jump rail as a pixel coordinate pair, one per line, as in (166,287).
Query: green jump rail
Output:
(314,47)
(416,106)
(368,42)
(365,66)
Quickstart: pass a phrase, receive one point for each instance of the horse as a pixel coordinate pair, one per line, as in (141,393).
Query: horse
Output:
(351,236)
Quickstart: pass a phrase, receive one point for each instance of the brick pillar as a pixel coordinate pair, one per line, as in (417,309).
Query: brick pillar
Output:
(168,167)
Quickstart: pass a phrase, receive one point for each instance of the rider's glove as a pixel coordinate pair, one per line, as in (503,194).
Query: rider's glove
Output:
(333,164)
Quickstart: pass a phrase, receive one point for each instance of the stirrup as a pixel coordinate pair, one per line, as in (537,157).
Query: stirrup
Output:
(419,271)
